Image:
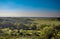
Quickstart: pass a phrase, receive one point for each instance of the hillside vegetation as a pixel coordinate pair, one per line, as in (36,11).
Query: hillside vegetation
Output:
(29,28)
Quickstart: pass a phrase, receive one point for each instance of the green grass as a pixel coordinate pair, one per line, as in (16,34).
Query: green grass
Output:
(45,29)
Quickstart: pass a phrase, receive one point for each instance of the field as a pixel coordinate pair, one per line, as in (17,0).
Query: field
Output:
(29,28)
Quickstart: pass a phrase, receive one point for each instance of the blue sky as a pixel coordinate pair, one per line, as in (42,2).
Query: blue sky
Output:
(29,8)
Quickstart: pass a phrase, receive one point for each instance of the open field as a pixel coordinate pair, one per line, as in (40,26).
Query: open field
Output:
(29,28)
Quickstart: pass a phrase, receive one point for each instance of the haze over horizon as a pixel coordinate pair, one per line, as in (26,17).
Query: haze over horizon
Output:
(29,8)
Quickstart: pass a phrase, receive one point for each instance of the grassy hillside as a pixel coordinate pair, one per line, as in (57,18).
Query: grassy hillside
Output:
(29,28)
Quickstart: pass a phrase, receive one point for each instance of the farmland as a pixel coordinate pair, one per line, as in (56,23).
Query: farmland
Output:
(29,28)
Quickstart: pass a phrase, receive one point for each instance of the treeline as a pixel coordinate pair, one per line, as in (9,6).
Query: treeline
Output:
(17,26)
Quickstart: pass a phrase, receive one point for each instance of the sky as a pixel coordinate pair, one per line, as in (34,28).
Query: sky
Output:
(29,8)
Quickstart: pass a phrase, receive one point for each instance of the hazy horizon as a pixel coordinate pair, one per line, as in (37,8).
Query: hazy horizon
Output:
(29,8)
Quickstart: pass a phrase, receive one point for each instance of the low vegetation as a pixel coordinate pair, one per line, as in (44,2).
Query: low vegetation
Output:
(29,28)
